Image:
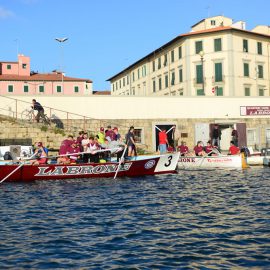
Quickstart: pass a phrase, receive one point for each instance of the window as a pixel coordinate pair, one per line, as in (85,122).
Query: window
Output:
(25,89)
(127,80)
(166,80)
(76,89)
(245,45)
(246,69)
(120,84)
(198,46)
(260,71)
(217,45)
(116,85)
(213,22)
(180,75)
(261,92)
(247,91)
(138,73)
(24,66)
(10,88)
(154,65)
(59,89)
(218,72)
(172,56)
(165,60)
(172,78)
(199,75)
(259,47)
(154,86)
(159,83)
(124,82)
(41,89)
(8,66)
(200,92)
(251,137)
(138,135)
(179,52)
(219,91)
(113,87)
(159,63)
(133,76)
(144,70)
(181,92)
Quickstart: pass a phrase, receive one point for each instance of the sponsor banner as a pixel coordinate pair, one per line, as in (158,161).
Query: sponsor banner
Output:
(254,110)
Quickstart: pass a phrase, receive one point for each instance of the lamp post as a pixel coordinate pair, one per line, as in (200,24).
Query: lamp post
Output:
(61,41)
(201,53)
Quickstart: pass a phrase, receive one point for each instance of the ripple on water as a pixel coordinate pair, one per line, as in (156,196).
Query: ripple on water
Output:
(194,220)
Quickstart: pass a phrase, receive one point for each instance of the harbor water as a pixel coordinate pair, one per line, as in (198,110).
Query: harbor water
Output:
(191,220)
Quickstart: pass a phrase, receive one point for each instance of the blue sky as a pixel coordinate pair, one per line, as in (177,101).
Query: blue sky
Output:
(106,36)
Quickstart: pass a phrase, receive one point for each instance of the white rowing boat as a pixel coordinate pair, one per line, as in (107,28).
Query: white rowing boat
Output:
(212,162)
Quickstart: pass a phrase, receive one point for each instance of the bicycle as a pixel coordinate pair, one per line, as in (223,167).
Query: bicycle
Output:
(30,116)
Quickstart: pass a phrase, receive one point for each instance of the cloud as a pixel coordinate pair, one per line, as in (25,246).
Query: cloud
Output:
(5,13)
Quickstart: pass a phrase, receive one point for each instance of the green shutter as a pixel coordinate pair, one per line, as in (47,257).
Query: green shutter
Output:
(259,47)
(217,45)
(179,52)
(198,46)
(200,92)
(261,92)
(246,69)
(218,72)
(41,88)
(247,91)
(10,88)
(159,84)
(245,45)
(172,56)
(180,75)
(173,78)
(154,66)
(154,86)
(76,89)
(58,89)
(166,81)
(260,71)
(199,75)
(25,88)
(219,91)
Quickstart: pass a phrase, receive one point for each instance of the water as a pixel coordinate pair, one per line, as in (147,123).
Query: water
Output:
(194,220)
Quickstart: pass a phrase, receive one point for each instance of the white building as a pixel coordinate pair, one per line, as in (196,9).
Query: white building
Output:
(216,58)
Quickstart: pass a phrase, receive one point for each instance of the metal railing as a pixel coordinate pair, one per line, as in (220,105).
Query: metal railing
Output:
(71,122)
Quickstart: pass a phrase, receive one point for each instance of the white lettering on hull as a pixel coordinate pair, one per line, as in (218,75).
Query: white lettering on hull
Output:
(81,170)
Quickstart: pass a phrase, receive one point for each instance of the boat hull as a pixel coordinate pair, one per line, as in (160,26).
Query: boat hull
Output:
(211,162)
(150,166)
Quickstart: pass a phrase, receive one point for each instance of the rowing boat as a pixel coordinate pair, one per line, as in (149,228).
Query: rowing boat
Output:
(159,164)
(212,162)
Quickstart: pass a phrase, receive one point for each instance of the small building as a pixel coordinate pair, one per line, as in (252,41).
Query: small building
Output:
(17,79)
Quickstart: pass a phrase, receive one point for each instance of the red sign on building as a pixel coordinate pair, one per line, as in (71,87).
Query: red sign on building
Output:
(254,110)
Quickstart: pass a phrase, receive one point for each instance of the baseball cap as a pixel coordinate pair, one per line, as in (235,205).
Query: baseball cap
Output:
(101,129)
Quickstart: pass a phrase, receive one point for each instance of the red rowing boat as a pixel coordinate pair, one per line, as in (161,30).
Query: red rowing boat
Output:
(160,164)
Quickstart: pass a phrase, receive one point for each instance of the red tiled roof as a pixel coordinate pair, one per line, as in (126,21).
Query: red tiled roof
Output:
(99,93)
(41,77)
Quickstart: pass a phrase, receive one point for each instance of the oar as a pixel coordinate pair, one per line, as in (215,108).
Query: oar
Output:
(15,170)
(120,162)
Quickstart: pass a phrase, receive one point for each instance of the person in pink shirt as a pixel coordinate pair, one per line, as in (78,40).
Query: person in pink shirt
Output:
(183,149)
(198,149)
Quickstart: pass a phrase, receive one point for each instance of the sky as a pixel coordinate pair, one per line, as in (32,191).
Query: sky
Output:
(106,36)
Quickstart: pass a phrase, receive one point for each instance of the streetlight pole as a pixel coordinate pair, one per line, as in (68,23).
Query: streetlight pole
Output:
(62,40)
(201,53)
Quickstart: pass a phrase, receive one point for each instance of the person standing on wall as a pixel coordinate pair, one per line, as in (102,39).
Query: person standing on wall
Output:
(163,141)
(216,136)
(235,136)
(130,141)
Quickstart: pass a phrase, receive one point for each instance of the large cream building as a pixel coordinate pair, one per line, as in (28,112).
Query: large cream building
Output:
(216,58)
